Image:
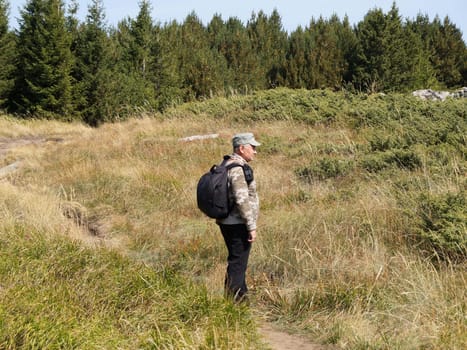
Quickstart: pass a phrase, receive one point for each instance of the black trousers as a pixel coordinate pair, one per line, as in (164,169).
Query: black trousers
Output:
(236,240)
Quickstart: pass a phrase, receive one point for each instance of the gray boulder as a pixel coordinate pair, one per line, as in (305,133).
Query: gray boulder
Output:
(461,93)
(428,94)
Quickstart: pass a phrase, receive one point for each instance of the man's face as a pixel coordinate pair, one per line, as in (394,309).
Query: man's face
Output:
(247,152)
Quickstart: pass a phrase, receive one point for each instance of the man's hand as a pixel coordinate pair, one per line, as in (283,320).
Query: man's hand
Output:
(252,236)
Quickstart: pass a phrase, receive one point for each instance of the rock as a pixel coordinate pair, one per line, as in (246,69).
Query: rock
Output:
(428,94)
(199,137)
(461,93)
(9,169)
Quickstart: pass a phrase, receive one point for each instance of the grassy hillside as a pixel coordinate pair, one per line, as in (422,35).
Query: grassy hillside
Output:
(362,237)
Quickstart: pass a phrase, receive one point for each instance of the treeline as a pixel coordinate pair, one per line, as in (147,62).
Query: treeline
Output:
(55,66)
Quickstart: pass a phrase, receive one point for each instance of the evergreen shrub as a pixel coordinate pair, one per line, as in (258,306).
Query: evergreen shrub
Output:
(442,223)
(325,168)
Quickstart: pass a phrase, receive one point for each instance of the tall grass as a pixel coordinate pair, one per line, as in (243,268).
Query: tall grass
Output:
(361,234)
(71,275)
(57,294)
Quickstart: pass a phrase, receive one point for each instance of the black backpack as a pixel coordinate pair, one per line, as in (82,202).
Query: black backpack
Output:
(212,193)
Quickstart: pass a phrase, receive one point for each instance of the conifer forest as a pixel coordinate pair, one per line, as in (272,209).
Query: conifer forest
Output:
(55,66)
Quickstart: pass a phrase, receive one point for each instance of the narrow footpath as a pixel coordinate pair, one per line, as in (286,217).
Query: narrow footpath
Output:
(279,340)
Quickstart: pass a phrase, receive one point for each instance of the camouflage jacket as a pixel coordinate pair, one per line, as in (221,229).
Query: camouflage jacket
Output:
(244,197)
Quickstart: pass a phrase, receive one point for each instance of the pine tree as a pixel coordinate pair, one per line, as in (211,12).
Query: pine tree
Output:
(371,59)
(322,55)
(7,51)
(231,40)
(278,39)
(327,61)
(421,32)
(395,71)
(43,84)
(269,41)
(148,57)
(298,72)
(169,79)
(142,31)
(92,71)
(347,44)
(201,67)
(135,48)
(219,43)
(450,53)
(72,25)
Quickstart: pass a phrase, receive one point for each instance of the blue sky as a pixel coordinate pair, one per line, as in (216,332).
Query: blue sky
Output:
(292,12)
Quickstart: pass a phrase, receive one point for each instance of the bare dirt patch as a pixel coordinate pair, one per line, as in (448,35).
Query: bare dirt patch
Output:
(6,144)
(279,340)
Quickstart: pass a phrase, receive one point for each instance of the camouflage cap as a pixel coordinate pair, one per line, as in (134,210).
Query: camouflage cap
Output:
(246,138)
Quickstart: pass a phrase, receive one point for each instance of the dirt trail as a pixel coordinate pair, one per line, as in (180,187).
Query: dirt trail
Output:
(278,340)
(7,144)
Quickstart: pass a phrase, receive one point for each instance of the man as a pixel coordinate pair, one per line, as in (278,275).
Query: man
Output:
(239,228)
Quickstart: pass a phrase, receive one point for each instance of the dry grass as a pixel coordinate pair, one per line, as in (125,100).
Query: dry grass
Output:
(106,188)
(332,259)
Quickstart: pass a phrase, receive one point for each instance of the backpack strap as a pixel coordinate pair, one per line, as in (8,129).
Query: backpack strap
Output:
(247,171)
(231,165)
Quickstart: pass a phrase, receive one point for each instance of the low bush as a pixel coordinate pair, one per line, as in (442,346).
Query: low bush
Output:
(325,168)
(403,159)
(442,224)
